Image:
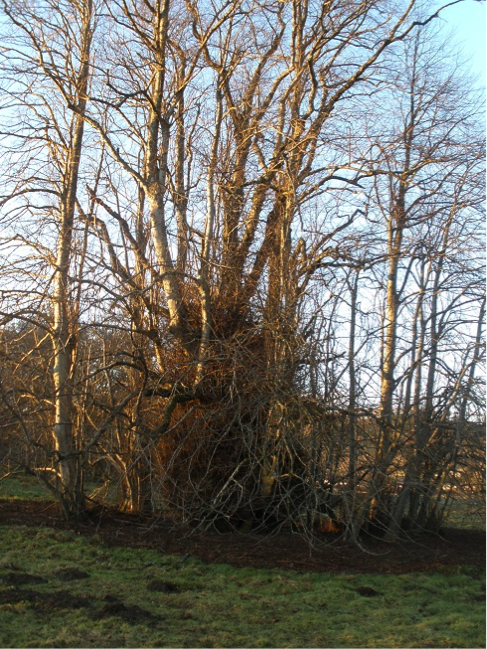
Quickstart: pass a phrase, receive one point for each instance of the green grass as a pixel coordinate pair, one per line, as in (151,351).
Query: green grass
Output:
(20,486)
(467,514)
(217,605)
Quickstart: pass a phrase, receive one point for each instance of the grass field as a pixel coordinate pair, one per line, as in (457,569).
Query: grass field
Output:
(20,486)
(59,589)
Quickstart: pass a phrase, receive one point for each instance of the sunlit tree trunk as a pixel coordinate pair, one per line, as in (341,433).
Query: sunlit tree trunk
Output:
(65,330)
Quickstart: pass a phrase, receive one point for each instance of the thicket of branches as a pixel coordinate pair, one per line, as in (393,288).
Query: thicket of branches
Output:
(242,276)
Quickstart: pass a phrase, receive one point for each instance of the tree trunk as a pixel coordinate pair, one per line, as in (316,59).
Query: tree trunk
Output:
(65,328)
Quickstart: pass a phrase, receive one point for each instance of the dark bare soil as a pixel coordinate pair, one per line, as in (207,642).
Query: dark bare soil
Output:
(284,550)
(46,603)
(43,602)
(133,614)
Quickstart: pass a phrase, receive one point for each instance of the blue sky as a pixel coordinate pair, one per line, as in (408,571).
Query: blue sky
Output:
(468,19)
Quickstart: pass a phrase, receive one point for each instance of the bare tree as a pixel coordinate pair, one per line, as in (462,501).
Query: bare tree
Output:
(426,182)
(51,48)
(220,228)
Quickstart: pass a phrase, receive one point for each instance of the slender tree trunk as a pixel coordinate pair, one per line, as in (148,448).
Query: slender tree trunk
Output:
(65,328)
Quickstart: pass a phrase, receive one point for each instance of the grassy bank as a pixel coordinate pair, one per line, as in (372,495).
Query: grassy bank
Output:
(58,589)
